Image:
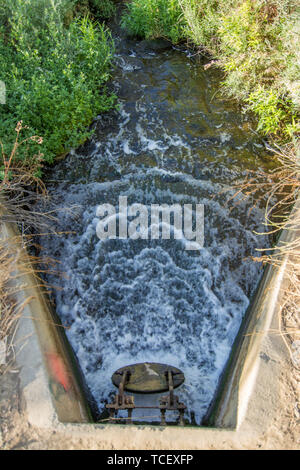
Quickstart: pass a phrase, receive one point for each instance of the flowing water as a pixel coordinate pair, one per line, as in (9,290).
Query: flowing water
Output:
(174,140)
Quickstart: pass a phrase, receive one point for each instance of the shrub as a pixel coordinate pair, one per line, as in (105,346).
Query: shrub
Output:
(201,21)
(100,9)
(54,75)
(154,18)
(103,8)
(275,115)
(253,50)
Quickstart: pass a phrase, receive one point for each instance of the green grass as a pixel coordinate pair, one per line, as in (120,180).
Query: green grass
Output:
(256,43)
(54,75)
(103,8)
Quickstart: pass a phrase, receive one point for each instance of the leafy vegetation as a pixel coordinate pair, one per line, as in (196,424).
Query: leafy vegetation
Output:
(154,18)
(255,41)
(54,75)
(99,9)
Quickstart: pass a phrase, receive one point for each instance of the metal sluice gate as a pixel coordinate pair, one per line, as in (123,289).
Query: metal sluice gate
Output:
(147,378)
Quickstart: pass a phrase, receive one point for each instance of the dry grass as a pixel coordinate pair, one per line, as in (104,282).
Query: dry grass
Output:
(10,310)
(20,186)
(23,198)
(279,189)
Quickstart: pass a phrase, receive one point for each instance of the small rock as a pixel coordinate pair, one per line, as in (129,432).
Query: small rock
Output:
(264,357)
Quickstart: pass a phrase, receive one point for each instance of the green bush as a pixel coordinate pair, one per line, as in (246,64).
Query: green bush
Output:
(54,75)
(98,9)
(256,57)
(274,114)
(154,18)
(103,8)
(201,20)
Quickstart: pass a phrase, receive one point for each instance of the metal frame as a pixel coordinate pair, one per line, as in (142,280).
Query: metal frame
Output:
(126,402)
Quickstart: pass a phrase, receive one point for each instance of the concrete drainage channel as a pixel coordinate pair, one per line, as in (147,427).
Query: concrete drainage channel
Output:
(247,400)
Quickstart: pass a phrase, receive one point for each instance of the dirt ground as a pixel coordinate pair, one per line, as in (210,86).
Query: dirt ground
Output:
(17,434)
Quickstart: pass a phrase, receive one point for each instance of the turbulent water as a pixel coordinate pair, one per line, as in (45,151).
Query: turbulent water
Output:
(126,301)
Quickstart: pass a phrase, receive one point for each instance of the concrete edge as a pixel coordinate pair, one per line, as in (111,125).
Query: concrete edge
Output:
(240,374)
(239,377)
(51,382)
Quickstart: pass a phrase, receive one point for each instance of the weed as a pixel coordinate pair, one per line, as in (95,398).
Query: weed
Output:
(54,75)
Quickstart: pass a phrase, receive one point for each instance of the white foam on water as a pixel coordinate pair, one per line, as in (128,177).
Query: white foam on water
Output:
(225,137)
(148,144)
(129,301)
